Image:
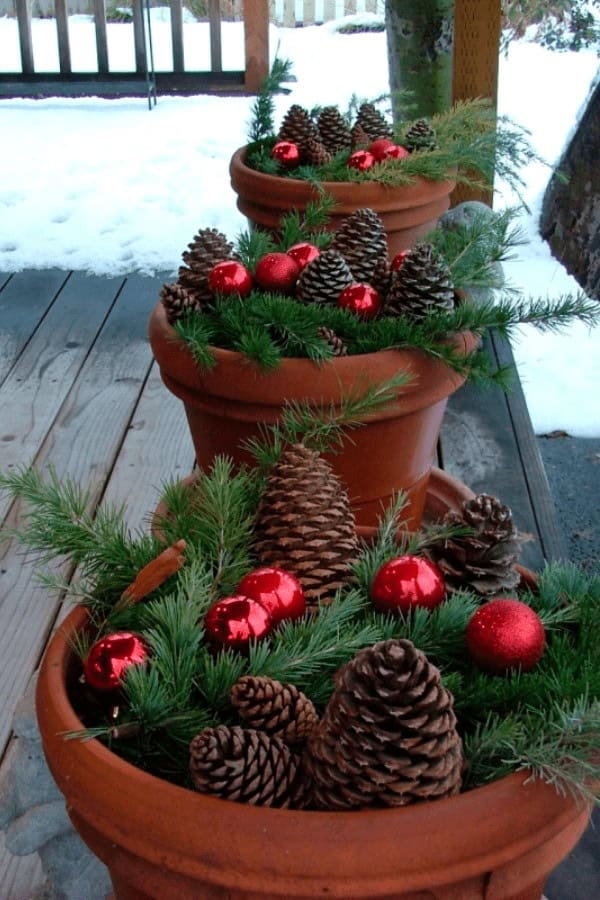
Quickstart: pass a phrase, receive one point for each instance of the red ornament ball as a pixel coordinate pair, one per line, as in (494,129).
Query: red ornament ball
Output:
(277,272)
(230,277)
(396,151)
(361,299)
(111,657)
(378,148)
(287,153)
(406,582)
(278,591)
(361,160)
(398,260)
(303,254)
(505,634)
(234,621)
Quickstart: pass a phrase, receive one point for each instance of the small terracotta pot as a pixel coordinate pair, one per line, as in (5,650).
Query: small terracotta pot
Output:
(408,212)
(497,842)
(393,450)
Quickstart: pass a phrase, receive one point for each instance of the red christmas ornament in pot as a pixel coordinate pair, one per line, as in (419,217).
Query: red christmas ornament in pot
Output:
(378,148)
(361,160)
(505,634)
(398,260)
(230,277)
(233,622)
(303,253)
(287,153)
(406,582)
(277,272)
(396,151)
(111,657)
(361,299)
(278,591)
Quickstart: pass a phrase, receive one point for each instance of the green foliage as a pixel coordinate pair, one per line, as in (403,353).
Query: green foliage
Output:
(262,125)
(558,24)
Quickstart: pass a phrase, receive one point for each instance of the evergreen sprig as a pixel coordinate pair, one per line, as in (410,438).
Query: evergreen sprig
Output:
(262,122)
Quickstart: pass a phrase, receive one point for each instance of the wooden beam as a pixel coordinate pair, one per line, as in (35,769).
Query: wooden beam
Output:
(256,34)
(62,30)
(25,40)
(214,16)
(101,42)
(177,35)
(139,37)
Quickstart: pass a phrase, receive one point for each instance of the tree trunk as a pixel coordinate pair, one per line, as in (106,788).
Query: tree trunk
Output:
(419,40)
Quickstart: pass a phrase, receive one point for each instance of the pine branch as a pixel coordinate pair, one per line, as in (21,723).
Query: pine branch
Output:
(262,122)
(254,244)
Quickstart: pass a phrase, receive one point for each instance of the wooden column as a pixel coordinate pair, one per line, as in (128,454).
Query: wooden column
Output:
(256,32)
(25,41)
(476,54)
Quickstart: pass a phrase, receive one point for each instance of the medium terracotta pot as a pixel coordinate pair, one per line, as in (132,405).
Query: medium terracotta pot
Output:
(497,842)
(394,450)
(408,212)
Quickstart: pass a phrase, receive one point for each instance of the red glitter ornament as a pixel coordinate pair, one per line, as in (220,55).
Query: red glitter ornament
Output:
(303,254)
(379,147)
(230,277)
(398,260)
(234,621)
(111,657)
(361,299)
(505,634)
(278,591)
(277,272)
(361,160)
(287,153)
(406,582)
(396,151)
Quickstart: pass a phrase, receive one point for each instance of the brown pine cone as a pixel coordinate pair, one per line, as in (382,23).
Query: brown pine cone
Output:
(388,735)
(278,709)
(244,765)
(360,239)
(485,560)
(314,153)
(304,524)
(359,139)
(208,248)
(371,121)
(420,136)
(337,345)
(421,285)
(334,130)
(178,301)
(297,126)
(323,279)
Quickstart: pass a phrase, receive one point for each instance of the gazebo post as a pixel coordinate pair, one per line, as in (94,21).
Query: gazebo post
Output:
(256,37)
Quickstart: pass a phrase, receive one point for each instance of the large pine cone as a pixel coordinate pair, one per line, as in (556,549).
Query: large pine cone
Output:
(420,136)
(247,766)
(178,301)
(421,285)
(304,524)
(278,709)
(360,239)
(208,248)
(484,561)
(388,735)
(323,279)
(359,139)
(371,121)
(314,153)
(297,126)
(334,130)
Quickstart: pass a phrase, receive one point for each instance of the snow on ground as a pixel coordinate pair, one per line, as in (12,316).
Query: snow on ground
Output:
(109,187)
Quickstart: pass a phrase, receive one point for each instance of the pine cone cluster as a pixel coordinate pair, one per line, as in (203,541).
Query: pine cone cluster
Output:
(421,285)
(483,561)
(280,710)
(304,524)
(323,280)
(360,240)
(178,301)
(420,136)
(208,247)
(388,735)
(319,141)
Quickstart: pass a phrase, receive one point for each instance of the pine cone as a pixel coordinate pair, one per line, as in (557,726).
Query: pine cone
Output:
(360,239)
(323,279)
(371,121)
(337,345)
(420,136)
(359,139)
(421,285)
(304,524)
(247,766)
(388,735)
(208,248)
(484,561)
(334,130)
(314,153)
(280,710)
(297,126)
(381,278)
(177,301)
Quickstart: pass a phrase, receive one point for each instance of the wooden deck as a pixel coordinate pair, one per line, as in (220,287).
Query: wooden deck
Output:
(79,392)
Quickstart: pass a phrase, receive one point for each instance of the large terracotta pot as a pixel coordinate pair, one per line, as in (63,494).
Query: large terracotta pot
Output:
(394,450)
(498,842)
(408,212)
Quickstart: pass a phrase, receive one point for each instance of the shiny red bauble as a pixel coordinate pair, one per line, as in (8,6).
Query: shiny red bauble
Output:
(303,253)
(398,260)
(406,582)
(230,277)
(278,591)
(378,148)
(287,153)
(233,622)
(111,657)
(361,160)
(277,272)
(396,151)
(361,299)
(505,634)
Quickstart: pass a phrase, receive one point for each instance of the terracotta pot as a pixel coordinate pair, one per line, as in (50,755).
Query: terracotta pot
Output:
(394,450)
(498,842)
(408,212)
